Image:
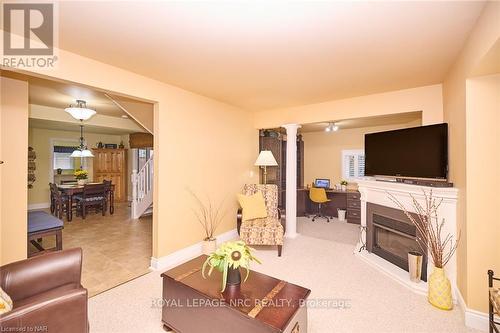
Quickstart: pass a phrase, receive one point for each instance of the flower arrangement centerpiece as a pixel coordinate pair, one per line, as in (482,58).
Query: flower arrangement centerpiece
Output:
(81,176)
(441,247)
(228,259)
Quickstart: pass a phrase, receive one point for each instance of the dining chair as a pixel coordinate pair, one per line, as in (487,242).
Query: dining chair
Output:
(58,201)
(107,188)
(92,195)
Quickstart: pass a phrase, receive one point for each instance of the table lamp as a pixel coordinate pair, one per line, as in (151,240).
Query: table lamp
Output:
(264,160)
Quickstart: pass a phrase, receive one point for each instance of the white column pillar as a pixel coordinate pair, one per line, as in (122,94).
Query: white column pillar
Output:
(291,180)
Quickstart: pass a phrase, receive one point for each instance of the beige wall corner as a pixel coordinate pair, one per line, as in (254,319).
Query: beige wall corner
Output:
(483,182)
(427,99)
(481,40)
(13,172)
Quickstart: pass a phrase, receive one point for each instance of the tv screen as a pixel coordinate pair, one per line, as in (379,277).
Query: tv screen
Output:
(418,152)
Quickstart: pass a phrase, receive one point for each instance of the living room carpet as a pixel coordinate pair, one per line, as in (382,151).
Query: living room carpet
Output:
(373,302)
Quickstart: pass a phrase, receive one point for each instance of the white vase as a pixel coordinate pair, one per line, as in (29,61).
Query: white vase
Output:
(81,182)
(344,187)
(209,246)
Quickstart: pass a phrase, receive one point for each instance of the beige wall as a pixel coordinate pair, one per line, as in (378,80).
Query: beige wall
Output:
(482,38)
(323,150)
(427,99)
(199,143)
(13,173)
(483,182)
(41,140)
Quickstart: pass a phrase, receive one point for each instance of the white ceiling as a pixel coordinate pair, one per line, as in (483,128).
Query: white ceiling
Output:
(268,54)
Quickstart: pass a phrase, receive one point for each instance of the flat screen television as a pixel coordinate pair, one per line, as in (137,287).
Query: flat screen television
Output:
(417,152)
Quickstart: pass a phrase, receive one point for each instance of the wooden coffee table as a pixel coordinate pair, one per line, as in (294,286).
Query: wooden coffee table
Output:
(261,304)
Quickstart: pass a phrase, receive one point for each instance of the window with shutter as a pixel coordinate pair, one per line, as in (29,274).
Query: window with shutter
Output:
(353,163)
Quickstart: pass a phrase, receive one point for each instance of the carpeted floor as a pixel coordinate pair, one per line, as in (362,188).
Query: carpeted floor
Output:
(312,260)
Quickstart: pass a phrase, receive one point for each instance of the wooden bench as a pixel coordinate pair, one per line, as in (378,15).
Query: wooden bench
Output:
(42,224)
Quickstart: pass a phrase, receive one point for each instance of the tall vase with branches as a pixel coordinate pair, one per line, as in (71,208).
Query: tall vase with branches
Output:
(440,247)
(209,215)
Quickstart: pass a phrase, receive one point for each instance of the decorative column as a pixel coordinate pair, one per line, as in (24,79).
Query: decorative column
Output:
(291,180)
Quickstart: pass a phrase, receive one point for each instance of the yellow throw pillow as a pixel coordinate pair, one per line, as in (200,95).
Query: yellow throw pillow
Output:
(253,206)
(5,302)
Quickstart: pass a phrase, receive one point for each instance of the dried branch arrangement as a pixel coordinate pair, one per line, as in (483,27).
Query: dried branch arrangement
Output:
(430,228)
(209,215)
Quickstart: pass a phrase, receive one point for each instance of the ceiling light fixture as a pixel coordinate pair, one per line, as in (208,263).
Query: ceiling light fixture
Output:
(332,127)
(82,150)
(80,111)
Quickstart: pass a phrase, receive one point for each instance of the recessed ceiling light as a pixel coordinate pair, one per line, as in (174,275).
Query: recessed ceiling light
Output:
(124,116)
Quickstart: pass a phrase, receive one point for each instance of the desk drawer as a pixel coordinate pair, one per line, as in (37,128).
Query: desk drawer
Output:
(353,213)
(356,204)
(353,196)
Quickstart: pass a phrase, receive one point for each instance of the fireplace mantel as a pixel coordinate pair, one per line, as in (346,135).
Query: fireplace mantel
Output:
(377,192)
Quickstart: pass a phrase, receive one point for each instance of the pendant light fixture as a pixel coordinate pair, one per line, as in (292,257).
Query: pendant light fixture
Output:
(82,150)
(80,111)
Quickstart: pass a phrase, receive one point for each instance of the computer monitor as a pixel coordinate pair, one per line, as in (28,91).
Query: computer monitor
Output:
(322,183)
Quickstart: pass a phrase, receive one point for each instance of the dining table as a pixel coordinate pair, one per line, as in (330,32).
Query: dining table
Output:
(69,190)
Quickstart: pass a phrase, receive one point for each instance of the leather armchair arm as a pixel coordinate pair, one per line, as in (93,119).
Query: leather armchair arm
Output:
(282,218)
(64,312)
(239,216)
(26,278)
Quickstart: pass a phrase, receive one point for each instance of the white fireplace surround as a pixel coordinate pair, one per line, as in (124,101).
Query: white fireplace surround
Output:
(377,192)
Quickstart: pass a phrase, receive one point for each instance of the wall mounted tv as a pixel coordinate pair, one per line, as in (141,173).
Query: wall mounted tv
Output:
(417,152)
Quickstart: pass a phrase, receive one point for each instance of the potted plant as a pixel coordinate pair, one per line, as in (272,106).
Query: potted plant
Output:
(228,259)
(209,215)
(81,176)
(343,184)
(441,249)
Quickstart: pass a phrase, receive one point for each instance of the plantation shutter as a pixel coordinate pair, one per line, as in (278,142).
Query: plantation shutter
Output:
(353,163)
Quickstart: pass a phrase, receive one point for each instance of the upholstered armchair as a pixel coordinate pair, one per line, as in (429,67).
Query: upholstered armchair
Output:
(47,294)
(263,231)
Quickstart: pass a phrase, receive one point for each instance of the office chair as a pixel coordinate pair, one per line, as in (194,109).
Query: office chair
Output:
(318,195)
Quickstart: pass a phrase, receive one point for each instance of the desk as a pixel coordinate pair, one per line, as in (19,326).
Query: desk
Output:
(347,200)
(71,190)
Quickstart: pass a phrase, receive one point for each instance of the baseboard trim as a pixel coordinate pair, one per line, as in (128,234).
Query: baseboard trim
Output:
(473,318)
(37,206)
(187,253)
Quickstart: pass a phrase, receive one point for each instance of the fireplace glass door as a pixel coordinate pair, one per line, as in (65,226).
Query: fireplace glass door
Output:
(392,240)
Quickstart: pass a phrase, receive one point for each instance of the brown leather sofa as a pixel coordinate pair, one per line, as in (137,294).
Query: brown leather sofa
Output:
(46,293)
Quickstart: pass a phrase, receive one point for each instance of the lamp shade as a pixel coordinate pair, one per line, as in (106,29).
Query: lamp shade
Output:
(76,153)
(87,153)
(82,153)
(80,113)
(266,158)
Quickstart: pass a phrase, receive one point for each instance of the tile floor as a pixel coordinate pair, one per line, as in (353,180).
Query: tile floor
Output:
(115,247)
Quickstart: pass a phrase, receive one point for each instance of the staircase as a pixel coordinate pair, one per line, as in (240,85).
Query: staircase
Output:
(142,190)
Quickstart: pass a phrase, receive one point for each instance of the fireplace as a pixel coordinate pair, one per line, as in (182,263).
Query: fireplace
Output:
(391,235)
